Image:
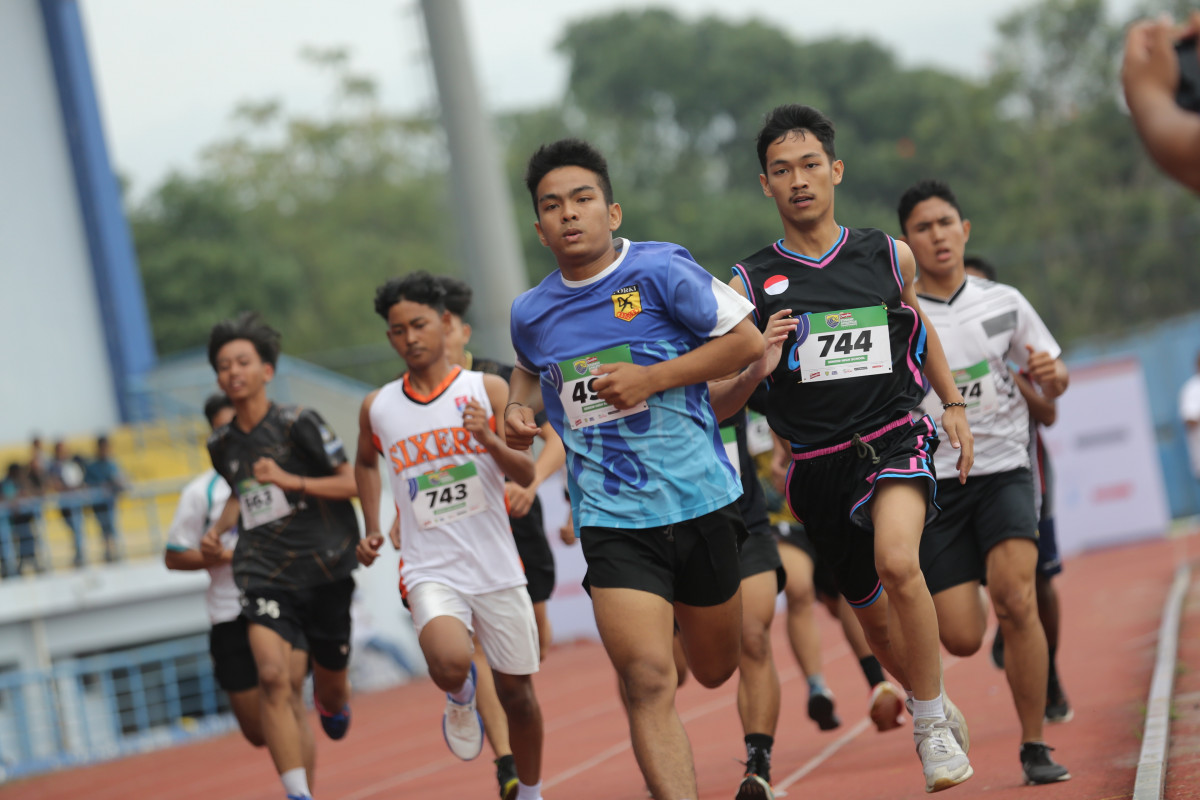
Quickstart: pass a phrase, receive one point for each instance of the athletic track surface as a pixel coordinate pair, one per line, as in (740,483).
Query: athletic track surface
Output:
(1112,603)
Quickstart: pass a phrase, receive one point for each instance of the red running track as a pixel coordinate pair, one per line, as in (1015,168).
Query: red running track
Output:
(1112,602)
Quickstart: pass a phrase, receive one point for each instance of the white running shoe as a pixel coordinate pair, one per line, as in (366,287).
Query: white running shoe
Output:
(887,707)
(958,723)
(462,727)
(944,762)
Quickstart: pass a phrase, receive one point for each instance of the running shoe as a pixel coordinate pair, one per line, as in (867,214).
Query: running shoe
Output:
(462,726)
(958,723)
(1039,767)
(1058,709)
(334,725)
(944,762)
(299,797)
(756,785)
(506,776)
(820,710)
(887,707)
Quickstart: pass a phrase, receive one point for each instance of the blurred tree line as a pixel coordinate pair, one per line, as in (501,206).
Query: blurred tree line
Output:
(301,218)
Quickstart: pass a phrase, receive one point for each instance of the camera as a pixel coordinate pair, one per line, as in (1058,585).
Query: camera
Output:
(1187,95)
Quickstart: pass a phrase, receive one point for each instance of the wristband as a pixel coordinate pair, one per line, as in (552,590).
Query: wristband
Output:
(510,405)
(953,405)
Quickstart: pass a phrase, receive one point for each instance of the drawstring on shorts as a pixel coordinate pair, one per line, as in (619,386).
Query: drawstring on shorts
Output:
(863,448)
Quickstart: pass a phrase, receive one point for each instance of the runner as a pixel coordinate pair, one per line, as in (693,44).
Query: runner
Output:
(200,504)
(840,302)
(460,574)
(622,339)
(291,489)
(525,518)
(987,531)
(1043,411)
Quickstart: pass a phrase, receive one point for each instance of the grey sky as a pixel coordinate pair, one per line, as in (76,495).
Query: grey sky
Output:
(170,72)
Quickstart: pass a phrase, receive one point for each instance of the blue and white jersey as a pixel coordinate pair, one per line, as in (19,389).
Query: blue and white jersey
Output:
(663,461)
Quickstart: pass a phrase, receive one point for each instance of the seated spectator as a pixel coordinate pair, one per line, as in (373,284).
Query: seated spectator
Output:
(66,475)
(103,474)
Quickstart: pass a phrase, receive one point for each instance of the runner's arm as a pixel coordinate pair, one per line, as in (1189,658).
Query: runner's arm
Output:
(210,546)
(624,384)
(1043,409)
(516,464)
(368,484)
(523,404)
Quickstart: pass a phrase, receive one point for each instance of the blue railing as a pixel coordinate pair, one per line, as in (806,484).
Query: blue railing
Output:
(109,705)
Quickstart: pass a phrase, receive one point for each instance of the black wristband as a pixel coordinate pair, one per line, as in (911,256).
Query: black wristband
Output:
(953,405)
(510,405)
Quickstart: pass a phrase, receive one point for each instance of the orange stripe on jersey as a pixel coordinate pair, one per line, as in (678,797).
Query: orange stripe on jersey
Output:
(437,390)
(378,444)
(403,588)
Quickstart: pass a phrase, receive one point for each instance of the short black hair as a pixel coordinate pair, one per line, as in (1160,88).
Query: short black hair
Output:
(417,287)
(981,264)
(782,120)
(458,295)
(214,404)
(566,153)
(249,326)
(921,191)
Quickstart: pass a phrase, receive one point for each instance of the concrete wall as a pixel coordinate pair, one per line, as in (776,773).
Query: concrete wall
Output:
(55,373)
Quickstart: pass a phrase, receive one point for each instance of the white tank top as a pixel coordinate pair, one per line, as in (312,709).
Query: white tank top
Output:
(449,490)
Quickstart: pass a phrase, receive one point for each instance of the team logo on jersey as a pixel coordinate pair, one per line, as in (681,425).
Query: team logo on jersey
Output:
(627,302)
(776,284)
(461,403)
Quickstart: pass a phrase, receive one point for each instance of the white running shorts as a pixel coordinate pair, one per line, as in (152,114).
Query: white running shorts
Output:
(503,621)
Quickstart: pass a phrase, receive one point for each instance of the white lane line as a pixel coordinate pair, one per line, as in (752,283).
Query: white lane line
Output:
(1152,764)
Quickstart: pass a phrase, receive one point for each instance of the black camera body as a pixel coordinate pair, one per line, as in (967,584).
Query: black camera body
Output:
(1187,95)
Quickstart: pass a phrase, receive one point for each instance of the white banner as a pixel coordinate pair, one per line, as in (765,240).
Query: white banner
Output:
(1108,478)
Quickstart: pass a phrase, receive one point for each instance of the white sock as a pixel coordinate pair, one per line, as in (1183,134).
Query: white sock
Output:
(295,781)
(465,693)
(931,709)
(529,792)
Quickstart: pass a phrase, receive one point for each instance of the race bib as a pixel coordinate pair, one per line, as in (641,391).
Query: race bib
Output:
(582,405)
(978,389)
(261,503)
(729,439)
(447,495)
(842,344)
(758,435)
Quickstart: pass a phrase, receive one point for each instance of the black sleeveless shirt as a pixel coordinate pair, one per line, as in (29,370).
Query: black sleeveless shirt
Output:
(838,385)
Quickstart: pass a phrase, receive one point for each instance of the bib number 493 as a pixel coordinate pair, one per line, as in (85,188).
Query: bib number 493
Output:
(585,391)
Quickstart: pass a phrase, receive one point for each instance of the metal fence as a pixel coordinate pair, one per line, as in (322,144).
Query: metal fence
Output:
(104,706)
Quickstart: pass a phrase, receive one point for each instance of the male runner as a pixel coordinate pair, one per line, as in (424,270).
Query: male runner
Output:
(622,339)
(460,574)
(987,530)
(1043,411)
(291,489)
(200,505)
(525,518)
(847,373)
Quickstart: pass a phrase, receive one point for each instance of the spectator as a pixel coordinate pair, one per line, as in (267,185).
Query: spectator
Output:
(15,489)
(65,476)
(1189,412)
(103,474)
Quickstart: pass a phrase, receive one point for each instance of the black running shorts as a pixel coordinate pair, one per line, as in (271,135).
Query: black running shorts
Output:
(975,517)
(316,619)
(694,562)
(529,533)
(233,662)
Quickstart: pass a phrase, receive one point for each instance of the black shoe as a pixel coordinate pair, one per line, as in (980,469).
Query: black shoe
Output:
(1039,767)
(1058,709)
(998,650)
(506,776)
(820,710)
(756,785)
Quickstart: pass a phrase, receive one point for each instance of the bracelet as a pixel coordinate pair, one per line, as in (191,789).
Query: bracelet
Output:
(953,405)
(510,405)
